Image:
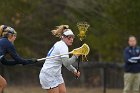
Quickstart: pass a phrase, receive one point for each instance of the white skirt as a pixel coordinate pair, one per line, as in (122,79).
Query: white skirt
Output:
(49,81)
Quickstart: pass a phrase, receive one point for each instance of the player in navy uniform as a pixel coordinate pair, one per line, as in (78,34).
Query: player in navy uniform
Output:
(8,36)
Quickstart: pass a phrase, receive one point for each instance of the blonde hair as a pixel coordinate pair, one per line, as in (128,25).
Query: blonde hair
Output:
(2,27)
(5,30)
(59,30)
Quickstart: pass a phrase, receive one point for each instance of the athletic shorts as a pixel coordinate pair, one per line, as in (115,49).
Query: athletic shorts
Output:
(49,81)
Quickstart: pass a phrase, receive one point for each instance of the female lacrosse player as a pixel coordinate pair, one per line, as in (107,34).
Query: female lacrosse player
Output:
(50,75)
(8,36)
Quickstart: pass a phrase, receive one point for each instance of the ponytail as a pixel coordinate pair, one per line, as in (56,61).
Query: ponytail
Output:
(59,30)
(2,30)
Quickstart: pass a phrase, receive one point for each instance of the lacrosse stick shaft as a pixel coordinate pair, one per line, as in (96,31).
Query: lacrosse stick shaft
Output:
(74,51)
(53,56)
(79,59)
(78,65)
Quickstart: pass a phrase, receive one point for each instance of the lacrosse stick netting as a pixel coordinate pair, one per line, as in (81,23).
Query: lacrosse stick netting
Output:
(83,50)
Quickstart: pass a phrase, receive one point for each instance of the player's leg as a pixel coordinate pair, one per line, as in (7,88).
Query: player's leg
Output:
(3,83)
(62,88)
(128,80)
(136,83)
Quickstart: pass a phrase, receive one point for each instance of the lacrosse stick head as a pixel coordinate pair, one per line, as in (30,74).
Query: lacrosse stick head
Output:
(83,28)
(83,50)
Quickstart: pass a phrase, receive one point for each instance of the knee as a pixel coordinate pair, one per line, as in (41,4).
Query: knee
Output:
(3,82)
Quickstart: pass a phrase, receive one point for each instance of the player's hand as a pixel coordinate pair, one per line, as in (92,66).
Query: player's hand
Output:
(34,60)
(77,74)
(77,55)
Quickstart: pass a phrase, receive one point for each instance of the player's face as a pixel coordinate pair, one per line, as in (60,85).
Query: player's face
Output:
(132,41)
(12,37)
(69,39)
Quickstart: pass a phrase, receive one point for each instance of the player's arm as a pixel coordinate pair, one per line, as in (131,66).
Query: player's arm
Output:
(127,57)
(18,60)
(137,57)
(67,62)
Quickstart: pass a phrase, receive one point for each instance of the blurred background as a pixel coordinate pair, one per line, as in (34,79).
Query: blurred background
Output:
(111,22)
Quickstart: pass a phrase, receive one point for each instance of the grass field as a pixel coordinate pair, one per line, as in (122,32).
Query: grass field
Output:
(19,89)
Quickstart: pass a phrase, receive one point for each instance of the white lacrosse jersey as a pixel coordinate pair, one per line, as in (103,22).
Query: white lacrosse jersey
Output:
(53,65)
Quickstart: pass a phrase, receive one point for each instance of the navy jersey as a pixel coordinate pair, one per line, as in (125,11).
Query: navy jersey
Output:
(130,66)
(6,47)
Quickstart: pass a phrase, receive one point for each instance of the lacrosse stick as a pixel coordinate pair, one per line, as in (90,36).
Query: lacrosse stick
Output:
(83,50)
(83,28)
